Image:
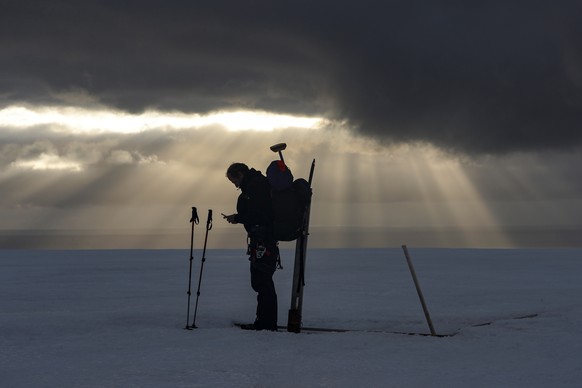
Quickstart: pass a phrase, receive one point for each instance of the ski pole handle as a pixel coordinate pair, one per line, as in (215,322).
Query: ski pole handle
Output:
(194,217)
(209,220)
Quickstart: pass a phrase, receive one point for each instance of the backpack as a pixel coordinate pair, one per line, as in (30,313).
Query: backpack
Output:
(290,199)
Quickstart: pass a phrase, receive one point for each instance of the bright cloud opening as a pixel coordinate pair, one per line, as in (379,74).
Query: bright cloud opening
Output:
(46,161)
(80,120)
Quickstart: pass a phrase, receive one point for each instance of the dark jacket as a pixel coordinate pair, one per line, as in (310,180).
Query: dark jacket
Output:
(254,207)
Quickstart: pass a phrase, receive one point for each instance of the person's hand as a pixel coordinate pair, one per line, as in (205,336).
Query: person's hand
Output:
(230,219)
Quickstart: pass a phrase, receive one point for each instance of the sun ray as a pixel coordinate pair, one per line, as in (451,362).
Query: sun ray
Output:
(149,178)
(468,209)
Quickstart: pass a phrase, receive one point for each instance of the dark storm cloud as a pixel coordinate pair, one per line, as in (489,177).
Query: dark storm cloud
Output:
(494,76)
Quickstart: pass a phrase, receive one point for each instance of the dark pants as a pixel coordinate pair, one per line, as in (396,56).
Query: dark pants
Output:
(262,270)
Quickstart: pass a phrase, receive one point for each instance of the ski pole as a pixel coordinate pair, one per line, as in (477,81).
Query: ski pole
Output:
(193,220)
(208,227)
(417,285)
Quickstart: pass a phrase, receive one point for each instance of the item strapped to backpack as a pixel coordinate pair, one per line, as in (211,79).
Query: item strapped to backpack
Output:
(290,199)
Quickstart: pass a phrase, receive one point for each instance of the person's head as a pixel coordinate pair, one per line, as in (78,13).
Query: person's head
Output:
(236,172)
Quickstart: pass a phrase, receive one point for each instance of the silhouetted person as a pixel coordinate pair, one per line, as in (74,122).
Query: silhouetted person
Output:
(254,211)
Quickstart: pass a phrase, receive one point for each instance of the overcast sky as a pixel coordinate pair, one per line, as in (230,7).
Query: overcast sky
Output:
(420,114)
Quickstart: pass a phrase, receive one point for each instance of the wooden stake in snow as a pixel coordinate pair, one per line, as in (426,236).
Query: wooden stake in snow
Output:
(425,309)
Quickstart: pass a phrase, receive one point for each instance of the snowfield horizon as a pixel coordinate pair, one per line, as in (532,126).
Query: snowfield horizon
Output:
(111,318)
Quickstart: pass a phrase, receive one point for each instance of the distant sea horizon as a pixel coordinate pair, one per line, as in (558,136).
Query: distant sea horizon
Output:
(320,237)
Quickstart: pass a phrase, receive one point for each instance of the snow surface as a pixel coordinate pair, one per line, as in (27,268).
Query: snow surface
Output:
(116,319)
